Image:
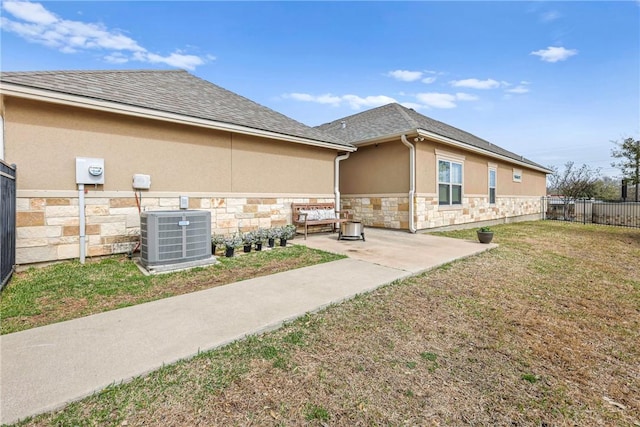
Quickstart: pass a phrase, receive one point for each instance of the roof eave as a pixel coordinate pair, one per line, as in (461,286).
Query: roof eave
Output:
(468,147)
(385,138)
(45,95)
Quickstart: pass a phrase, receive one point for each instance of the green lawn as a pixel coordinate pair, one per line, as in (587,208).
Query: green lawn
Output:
(40,296)
(541,331)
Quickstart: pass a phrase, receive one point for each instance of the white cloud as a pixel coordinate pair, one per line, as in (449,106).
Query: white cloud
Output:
(550,16)
(176,59)
(36,24)
(518,89)
(357,102)
(554,54)
(405,75)
(354,101)
(429,80)
(321,99)
(461,96)
(476,84)
(444,100)
(30,12)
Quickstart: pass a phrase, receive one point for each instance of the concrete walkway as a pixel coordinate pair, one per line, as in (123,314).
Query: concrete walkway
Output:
(44,368)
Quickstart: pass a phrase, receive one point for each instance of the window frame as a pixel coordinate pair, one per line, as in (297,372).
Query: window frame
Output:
(492,168)
(451,159)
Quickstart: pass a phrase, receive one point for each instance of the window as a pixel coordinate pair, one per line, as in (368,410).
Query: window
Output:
(492,185)
(449,182)
(517,175)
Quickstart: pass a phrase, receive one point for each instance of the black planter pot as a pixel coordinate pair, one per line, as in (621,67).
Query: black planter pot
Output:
(272,242)
(229,252)
(246,249)
(485,236)
(259,246)
(213,249)
(283,242)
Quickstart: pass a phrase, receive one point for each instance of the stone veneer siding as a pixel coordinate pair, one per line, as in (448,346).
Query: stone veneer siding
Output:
(48,227)
(393,211)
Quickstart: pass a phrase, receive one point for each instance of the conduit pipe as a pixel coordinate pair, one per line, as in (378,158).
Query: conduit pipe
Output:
(82,222)
(412,181)
(336,178)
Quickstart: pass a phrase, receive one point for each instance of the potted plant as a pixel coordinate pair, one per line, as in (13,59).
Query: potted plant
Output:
(248,239)
(217,240)
(485,234)
(231,242)
(287,232)
(272,234)
(260,236)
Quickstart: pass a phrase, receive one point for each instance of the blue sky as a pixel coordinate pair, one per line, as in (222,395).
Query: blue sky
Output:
(553,81)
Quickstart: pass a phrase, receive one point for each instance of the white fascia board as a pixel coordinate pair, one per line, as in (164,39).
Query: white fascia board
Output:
(387,138)
(484,152)
(114,107)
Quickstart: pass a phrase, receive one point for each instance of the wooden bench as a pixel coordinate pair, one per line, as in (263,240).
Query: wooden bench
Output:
(310,214)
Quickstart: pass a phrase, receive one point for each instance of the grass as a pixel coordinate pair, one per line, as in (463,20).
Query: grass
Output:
(543,330)
(40,296)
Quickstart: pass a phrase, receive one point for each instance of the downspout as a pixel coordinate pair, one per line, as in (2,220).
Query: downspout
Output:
(82,222)
(336,178)
(412,181)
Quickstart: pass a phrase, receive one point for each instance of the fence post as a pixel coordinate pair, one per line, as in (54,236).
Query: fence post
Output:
(8,176)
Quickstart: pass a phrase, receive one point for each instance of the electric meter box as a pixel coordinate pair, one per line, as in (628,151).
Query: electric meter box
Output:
(141,182)
(89,170)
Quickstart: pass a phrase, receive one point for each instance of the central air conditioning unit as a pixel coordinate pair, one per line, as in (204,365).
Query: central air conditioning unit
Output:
(175,238)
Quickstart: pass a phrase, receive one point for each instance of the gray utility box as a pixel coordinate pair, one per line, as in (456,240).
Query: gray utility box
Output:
(171,237)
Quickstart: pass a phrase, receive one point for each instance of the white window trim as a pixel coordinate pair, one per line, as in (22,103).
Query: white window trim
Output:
(517,172)
(449,157)
(492,168)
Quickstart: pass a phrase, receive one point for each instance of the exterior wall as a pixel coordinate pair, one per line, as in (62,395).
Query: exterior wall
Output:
(392,211)
(374,169)
(476,175)
(48,221)
(387,205)
(44,140)
(246,182)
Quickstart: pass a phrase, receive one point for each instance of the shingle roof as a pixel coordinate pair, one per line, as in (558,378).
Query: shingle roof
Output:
(394,119)
(174,91)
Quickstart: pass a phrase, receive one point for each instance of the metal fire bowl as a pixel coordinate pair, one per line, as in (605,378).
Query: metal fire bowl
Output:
(351,229)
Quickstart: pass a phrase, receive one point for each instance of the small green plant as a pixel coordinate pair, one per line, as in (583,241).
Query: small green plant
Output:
(233,240)
(261,235)
(287,232)
(530,378)
(249,238)
(315,412)
(217,239)
(431,357)
(485,229)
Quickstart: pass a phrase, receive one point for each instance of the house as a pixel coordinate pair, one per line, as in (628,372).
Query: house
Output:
(243,162)
(413,172)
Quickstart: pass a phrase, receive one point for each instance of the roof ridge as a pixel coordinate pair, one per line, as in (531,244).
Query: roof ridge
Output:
(403,111)
(53,72)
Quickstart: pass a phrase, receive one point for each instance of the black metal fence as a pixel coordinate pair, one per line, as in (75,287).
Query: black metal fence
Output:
(589,211)
(7,222)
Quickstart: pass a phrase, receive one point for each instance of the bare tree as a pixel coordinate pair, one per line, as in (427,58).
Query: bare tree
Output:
(571,184)
(628,152)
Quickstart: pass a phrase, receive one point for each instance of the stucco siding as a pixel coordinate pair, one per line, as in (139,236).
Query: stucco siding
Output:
(382,168)
(268,166)
(44,140)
